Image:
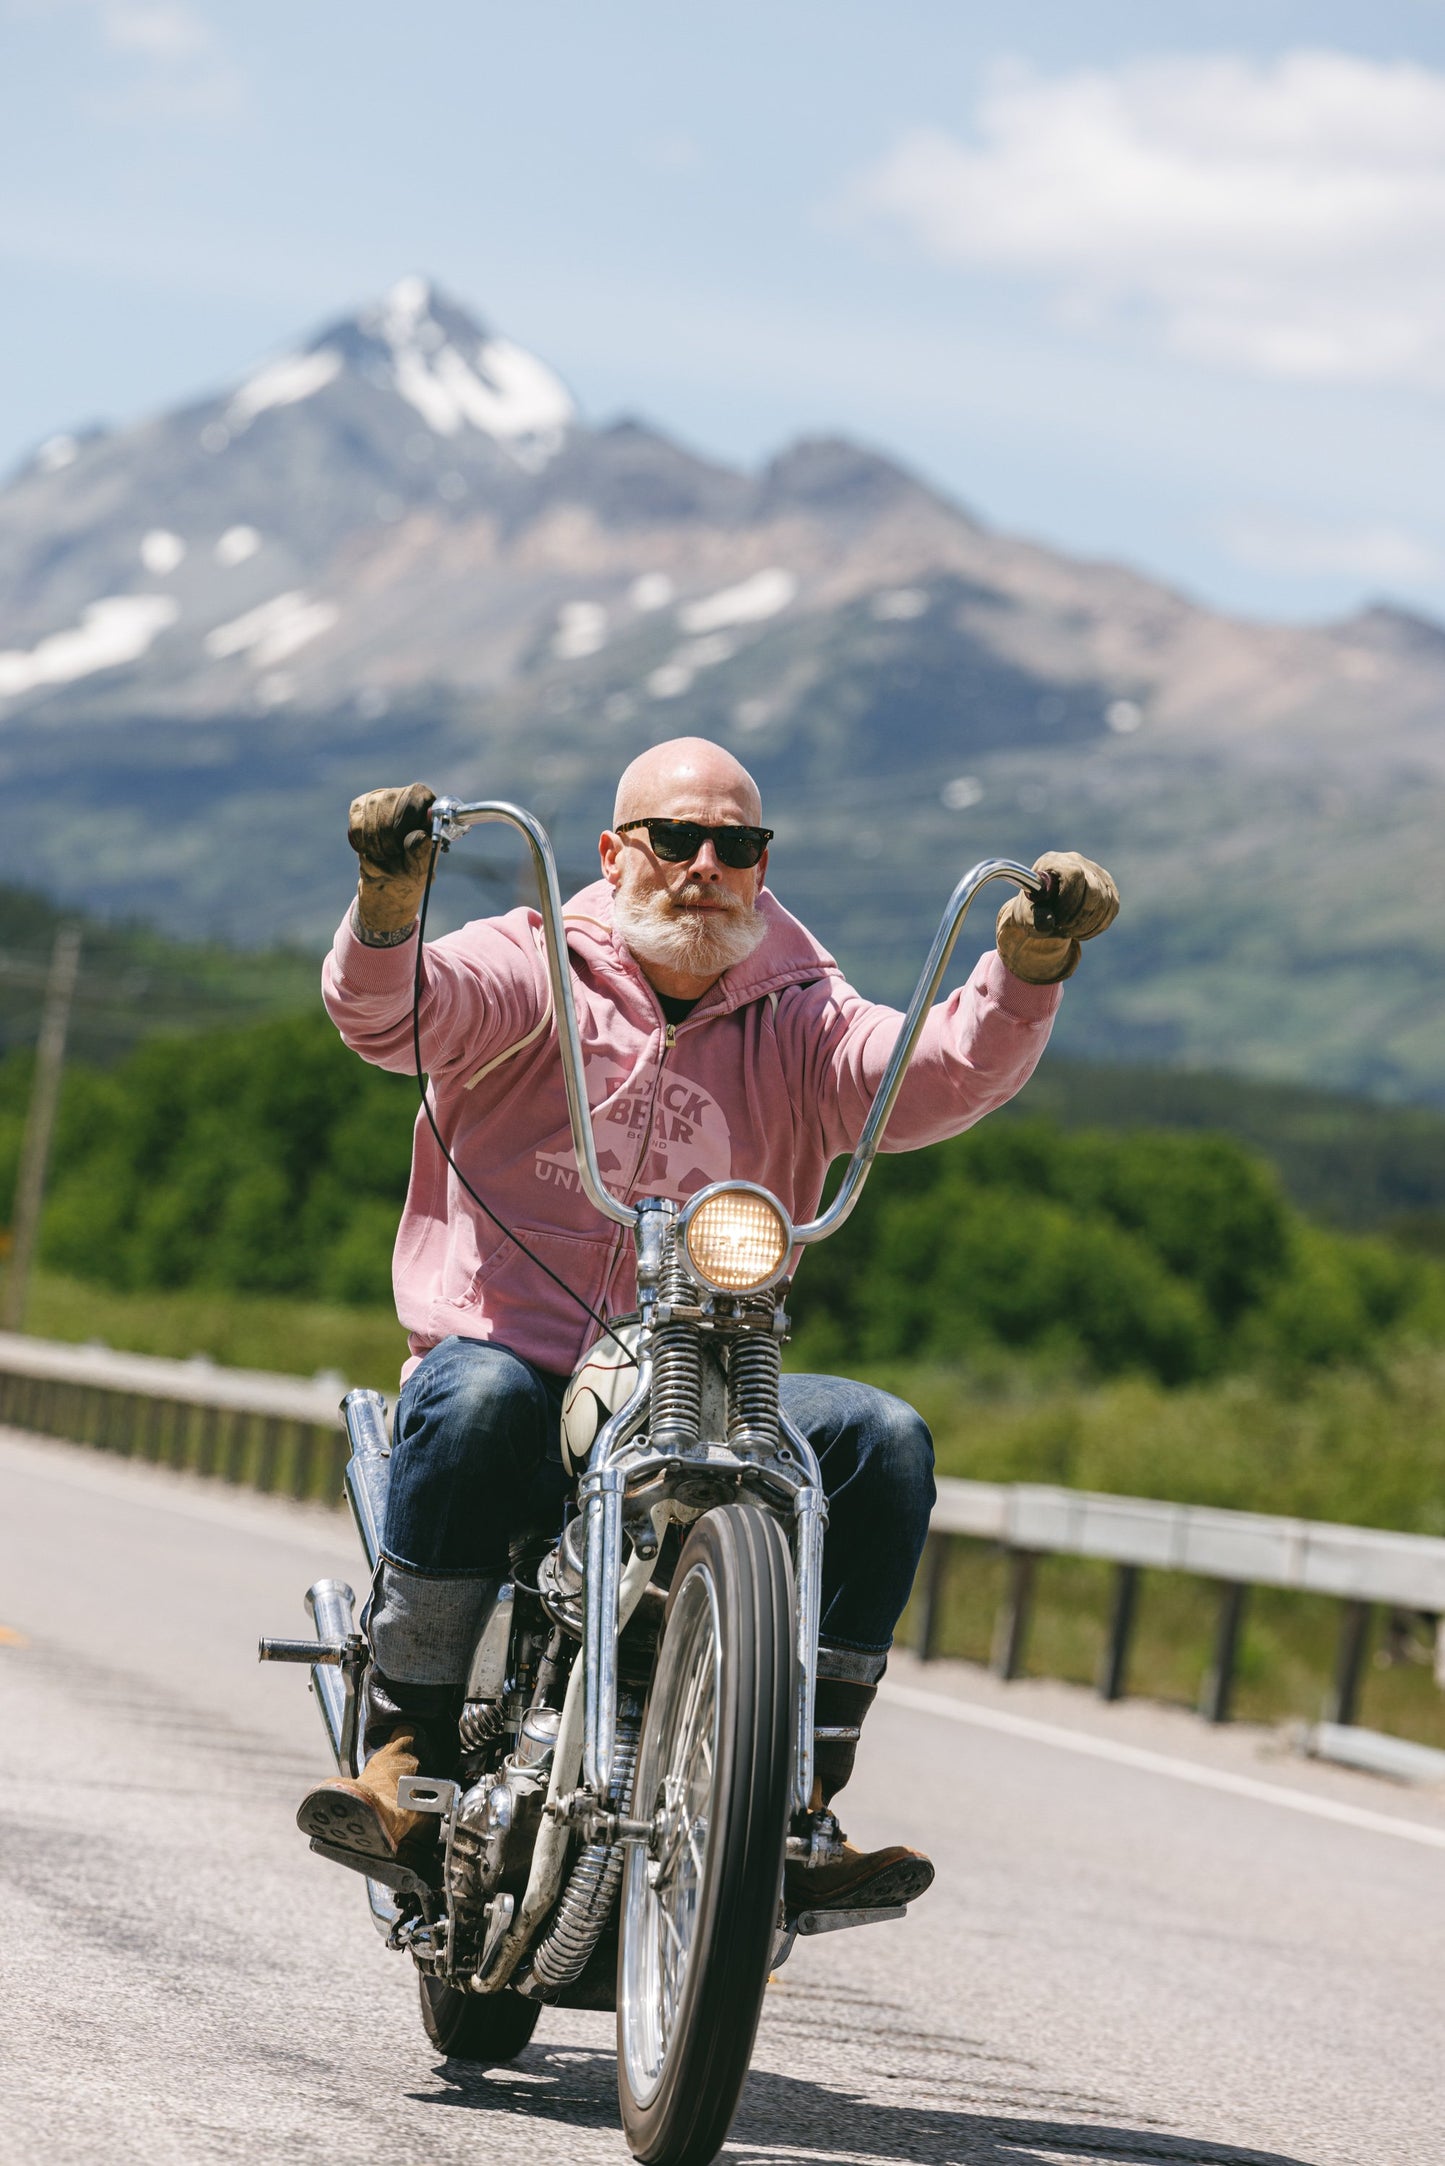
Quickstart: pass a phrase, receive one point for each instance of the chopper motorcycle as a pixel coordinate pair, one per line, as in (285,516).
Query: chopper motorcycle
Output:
(636,1745)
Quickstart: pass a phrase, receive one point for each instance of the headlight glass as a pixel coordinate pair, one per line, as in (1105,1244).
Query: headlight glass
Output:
(737,1240)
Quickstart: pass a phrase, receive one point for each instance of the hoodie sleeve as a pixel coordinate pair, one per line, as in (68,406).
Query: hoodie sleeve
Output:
(977,1049)
(483,989)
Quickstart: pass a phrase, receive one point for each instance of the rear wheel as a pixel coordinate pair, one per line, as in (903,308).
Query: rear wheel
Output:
(475,2026)
(700,1900)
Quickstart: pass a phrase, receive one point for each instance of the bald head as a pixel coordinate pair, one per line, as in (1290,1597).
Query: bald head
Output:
(688,777)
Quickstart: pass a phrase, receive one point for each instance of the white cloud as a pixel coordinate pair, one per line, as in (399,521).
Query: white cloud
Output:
(1384,554)
(1286,218)
(165,31)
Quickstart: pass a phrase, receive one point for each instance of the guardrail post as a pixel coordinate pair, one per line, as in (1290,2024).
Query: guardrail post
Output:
(937,1556)
(1011,1628)
(1114,1669)
(1343,1704)
(1218,1692)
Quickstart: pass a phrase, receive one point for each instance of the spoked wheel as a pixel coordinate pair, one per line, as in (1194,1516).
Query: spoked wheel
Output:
(700,1901)
(475,2026)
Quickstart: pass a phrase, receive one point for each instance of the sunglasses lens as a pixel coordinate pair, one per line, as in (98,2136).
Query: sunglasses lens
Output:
(675,841)
(738,847)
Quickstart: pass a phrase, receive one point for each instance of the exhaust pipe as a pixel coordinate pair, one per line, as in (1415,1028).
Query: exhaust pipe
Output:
(368,1471)
(329,1605)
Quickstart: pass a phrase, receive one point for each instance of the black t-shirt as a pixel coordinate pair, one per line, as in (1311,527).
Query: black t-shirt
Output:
(676,1011)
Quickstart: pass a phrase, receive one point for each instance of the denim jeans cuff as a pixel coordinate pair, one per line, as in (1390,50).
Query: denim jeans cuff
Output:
(423,1629)
(851,1665)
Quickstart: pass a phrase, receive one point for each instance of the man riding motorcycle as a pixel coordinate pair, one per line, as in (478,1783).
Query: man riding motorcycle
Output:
(720,1042)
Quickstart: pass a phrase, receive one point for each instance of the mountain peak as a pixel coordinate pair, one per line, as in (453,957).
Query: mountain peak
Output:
(427,348)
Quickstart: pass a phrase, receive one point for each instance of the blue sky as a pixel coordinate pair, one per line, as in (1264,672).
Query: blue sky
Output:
(1162,285)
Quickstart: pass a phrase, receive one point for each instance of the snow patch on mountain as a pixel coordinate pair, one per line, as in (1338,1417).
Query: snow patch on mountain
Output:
(581,630)
(56,453)
(111,632)
(161,551)
(487,384)
(273,631)
(752,601)
(236,545)
(651,590)
(282,383)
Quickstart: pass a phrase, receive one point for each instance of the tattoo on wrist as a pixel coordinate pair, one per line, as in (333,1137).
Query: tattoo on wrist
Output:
(370,939)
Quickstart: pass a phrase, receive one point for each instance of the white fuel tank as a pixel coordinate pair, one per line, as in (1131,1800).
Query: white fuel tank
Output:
(601,1385)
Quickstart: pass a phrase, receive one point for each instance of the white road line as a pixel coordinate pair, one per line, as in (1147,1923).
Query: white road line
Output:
(1161,1763)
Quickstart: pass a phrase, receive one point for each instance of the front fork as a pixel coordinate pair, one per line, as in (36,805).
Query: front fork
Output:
(602,1495)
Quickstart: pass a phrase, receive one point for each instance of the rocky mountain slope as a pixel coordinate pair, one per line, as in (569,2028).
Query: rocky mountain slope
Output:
(401,550)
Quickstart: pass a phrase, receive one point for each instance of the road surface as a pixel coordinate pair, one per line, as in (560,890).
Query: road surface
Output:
(1149,1942)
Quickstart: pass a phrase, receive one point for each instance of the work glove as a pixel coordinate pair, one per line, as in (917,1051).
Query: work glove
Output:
(390,831)
(1038,936)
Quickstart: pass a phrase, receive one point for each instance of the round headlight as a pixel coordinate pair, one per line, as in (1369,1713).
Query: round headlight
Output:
(736,1239)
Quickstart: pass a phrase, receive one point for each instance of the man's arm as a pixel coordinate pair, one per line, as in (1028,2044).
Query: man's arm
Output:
(482,988)
(978,1047)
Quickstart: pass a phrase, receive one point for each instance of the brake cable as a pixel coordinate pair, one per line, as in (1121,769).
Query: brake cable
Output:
(426,1106)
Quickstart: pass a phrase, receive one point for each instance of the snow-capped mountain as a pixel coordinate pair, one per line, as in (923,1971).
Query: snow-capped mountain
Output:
(399,548)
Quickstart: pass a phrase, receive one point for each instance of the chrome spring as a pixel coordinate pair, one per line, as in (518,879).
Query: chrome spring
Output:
(676,1371)
(592,1886)
(479,1724)
(754,1365)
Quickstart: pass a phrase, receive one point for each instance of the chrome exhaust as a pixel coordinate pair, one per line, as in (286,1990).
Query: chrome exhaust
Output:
(368,1470)
(330,1604)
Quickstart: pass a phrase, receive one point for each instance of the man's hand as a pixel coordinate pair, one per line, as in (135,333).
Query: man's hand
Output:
(1039,938)
(390,831)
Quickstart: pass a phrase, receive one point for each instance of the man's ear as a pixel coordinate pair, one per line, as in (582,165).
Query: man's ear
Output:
(609,850)
(762,873)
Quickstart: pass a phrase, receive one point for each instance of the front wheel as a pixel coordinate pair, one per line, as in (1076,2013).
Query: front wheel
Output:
(489,2027)
(700,1900)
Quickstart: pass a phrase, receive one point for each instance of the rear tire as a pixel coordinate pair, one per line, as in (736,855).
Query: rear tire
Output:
(699,1905)
(475,2026)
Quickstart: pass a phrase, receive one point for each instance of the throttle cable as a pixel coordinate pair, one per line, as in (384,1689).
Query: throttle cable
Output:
(426,1106)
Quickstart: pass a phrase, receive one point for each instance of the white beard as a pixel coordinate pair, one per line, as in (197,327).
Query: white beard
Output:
(698,943)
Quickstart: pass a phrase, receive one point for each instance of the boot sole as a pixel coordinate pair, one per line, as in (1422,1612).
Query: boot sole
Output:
(902,1882)
(348,1823)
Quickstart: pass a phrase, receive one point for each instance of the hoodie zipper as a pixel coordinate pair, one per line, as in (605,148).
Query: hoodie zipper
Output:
(669,1040)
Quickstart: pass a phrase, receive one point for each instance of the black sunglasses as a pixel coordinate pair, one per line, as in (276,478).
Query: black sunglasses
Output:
(677,842)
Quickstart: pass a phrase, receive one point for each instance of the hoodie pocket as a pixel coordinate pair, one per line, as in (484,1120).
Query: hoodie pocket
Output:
(508,1279)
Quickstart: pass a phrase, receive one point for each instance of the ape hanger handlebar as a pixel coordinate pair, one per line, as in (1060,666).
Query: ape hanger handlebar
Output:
(450,820)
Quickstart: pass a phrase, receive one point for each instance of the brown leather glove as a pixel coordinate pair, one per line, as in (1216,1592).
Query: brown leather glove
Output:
(1039,940)
(390,831)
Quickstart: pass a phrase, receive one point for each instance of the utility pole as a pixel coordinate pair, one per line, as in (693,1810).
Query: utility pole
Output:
(40,1123)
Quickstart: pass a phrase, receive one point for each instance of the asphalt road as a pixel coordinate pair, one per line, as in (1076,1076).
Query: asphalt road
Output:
(1148,1942)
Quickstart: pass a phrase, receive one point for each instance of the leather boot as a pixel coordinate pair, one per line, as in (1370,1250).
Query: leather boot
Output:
(360,1814)
(859,1879)
(401,1729)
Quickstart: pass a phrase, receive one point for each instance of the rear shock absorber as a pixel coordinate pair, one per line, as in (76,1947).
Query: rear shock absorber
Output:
(676,1368)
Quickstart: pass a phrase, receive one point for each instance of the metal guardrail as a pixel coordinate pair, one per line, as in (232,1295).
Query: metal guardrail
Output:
(285,1435)
(275,1433)
(1359,1566)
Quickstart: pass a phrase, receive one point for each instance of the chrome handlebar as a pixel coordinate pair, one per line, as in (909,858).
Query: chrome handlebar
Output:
(450,820)
(950,925)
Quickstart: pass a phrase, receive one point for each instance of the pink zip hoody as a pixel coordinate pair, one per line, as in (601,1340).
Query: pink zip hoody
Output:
(768,1079)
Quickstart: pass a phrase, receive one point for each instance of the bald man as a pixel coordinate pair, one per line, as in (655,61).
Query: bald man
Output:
(720,1042)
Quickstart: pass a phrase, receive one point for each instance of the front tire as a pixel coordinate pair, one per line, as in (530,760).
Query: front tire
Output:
(700,1902)
(489,2027)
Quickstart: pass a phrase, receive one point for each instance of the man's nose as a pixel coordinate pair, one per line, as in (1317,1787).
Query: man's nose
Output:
(706,864)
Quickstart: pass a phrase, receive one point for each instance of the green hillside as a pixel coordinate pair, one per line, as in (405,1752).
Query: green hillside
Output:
(134,981)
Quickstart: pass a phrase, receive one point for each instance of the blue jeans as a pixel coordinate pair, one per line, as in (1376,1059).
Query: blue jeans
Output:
(477,1457)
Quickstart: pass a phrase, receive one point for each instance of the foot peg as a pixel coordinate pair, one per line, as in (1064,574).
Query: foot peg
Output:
(805,1924)
(808,1922)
